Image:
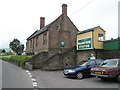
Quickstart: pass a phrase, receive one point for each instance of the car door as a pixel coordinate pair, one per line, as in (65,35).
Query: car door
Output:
(90,65)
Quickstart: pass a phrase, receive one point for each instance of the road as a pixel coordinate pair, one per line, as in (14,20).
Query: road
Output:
(14,77)
(56,79)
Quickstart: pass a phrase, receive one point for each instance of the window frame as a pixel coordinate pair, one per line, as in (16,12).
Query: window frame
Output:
(45,39)
(100,37)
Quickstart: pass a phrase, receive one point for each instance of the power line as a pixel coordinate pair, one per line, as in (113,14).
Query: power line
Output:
(82,7)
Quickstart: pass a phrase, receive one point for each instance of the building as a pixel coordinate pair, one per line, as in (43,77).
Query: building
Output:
(113,44)
(54,44)
(58,36)
(111,49)
(89,41)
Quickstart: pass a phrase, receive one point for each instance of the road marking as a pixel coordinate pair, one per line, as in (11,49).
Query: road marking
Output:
(31,76)
(27,71)
(35,85)
(33,79)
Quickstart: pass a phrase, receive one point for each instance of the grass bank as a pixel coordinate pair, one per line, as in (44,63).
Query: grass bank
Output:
(16,59)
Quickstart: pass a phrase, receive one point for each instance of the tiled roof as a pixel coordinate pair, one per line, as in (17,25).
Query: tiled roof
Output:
(45,28)
(88,30)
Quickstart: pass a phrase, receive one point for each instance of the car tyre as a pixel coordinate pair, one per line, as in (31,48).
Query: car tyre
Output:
(118,78)
(79,75)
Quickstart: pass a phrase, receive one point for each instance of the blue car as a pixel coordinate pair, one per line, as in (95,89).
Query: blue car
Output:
(83,69)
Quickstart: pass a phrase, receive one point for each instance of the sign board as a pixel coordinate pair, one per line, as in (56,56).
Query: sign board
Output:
(85,44)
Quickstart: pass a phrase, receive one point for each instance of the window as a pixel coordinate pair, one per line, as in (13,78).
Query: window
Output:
(30,43)
(99,62)
(109,63)
(92,63)
(100,37)
(45,39)
(36,41)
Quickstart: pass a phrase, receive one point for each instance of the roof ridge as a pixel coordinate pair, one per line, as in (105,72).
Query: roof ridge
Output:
(88,30)
(45,28)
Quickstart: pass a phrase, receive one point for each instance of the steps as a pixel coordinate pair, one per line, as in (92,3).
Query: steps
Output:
(58,61)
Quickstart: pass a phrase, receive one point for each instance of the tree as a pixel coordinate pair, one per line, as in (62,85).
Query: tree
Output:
(16,46)
(3,51)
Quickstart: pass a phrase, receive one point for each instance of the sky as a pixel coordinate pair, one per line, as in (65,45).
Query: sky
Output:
(20,18)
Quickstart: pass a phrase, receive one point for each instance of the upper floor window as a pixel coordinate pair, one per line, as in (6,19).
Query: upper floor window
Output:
(100,37)
(36,41)
(44,38)
(30,43)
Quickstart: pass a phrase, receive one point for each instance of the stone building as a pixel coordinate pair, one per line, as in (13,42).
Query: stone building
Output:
(55,37)
(52,41)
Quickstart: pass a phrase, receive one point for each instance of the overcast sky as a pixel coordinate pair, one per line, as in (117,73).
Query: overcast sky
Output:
(20,18)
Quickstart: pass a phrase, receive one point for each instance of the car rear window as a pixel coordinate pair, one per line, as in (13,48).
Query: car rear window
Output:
(108,63)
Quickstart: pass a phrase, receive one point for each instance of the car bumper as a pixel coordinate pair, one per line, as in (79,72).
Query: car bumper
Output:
(70,74)
(99,75)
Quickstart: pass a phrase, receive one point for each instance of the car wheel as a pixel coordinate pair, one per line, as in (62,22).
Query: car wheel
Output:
(79,75)
(118,78)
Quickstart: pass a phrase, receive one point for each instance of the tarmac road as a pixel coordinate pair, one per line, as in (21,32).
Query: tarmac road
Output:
(56,79)
(14,77)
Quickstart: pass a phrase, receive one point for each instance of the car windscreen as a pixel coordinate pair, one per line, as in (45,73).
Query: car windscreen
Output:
(83,64)
(108,63)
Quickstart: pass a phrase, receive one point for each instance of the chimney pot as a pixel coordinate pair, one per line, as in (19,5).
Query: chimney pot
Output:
(42,22)
(64,9)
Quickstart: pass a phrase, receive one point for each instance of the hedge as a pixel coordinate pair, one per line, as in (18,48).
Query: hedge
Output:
(16,59)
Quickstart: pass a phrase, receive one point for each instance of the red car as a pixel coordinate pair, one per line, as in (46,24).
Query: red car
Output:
(110,68)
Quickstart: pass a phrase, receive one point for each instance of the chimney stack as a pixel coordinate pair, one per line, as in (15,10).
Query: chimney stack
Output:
(42,22)
(64,9)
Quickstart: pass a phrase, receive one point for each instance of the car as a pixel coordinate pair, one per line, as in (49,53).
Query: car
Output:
(83,69)
(109,69)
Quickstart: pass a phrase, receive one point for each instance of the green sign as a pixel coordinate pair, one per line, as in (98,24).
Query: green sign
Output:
(85,44)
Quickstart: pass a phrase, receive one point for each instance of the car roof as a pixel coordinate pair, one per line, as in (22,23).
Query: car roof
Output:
(112,59)
(97,59)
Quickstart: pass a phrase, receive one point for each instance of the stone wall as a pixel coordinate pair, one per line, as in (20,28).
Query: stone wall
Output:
(61,60)
(83,55)
(109,54)
(99,54)
(58,61)
(38,59)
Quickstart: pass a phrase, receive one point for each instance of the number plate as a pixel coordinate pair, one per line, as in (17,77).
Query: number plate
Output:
(97,72)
